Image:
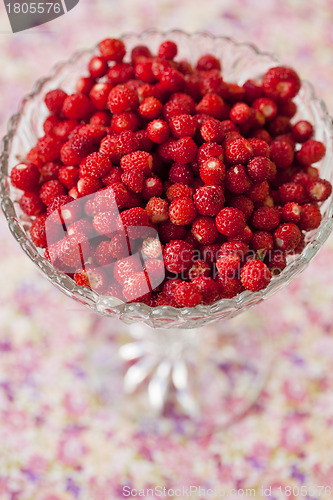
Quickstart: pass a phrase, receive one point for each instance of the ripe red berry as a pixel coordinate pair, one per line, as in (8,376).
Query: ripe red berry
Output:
(208,289)
(133,180)
(199,268)
(182,126)
(212,105)
(276,261)
(282,154)
(95,165)
(209,200)
(97,67)
(76,107)
(281,83)
(181,173)
(167,50)
(124,121)
(157,210)
(92,277)
(208,62)
(230,221)
(210,150)
(132,220)
(302,131)
(152,186)
(51,190)
(240,113)
(178,256)
(158,131)
(187,295)
(38,232)
(243,203)
(150,108)
(287,236)
(179,190)
(212,131)
(239,151)
(112,49)
(74,250)
(25,176)
(121,99)
(54,100)
(204,230)
(212,171)
(236,180)
(266,106)
(259,168)
(319,189)
(266,218)
(290,191)
(228,264)
(168,231)
(310,217)
(88,185)
(182,211)
(255,275)
(262,242)
(291,212)
(68,176)
(228,286)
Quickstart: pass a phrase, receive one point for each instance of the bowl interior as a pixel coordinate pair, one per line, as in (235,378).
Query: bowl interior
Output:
(239,62)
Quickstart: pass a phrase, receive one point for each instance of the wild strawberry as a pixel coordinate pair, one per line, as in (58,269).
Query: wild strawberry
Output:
(287,236)
(266,106)
(166,300)
(84,84)
(51,190)
(104,222)
(212,131)
(213,105)
(88,185)
(152,248)
(100,118)
(234,247)
(112,49)
(167,50)
(25,176)
(259,168)
(240,113)
(182,211)
(179,190)
(74,250)
(230,221)
(91,277)
(124,268)
(244,236)
(48,148)
(139,160)
(208,289)
(260,148)
(291,212)
(172,80)
(210,150)
(280,125)
(121,99)
(114,290)
(211,82)
(199,268)
(302,131)
(120,73)
(276,261)
(58,203)
(97,67)
(281,83)
(255,275)
(157,210)
(212,171)
(38,232)
(253,90)
(150,108)
(208,62)
(99,95)
(262,135)
(290,191)
(282,154)
(258,192)
(187,295)
(243,203)
(319,189)
(237,180)
(228,286)
(168,231)
(266,218)
(114,197)
(228,264)
(310,217)
(287,108)
(152,187)
(68,176)
(133,180)
(132,220)
(182,126)
(209,200)
(181,173)
(178,256)
(54,100)
(95,165)
(81,226)
(137,288)
(239,151)
(158,131)
(76,107)
(262,242)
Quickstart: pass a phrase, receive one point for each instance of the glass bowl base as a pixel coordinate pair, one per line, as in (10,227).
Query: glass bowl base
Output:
(169,380)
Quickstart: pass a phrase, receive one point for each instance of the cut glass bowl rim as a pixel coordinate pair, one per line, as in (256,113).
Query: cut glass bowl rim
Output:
(139,311)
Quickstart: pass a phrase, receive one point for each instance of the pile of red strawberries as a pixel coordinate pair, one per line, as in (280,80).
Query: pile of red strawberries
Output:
(215,170)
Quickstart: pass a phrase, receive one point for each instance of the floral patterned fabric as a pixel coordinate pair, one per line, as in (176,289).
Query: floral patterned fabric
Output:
(61,437)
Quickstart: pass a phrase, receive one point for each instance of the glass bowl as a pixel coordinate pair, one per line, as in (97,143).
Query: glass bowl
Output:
(240,62)
(225,373)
